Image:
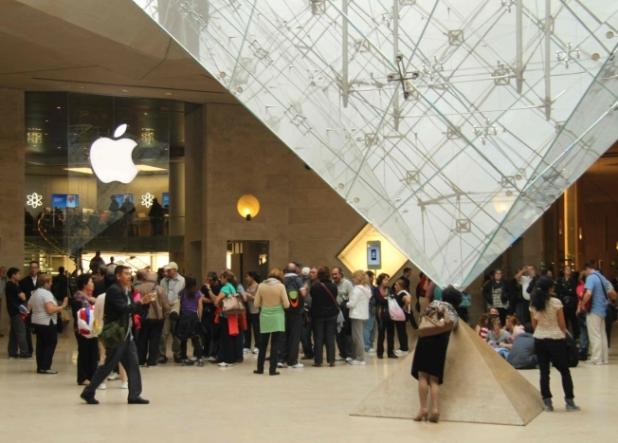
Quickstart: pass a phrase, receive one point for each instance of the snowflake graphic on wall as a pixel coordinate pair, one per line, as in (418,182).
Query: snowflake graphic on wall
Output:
(34,200)
(147,199)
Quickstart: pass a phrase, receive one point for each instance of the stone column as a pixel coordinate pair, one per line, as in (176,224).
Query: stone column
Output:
(12,177)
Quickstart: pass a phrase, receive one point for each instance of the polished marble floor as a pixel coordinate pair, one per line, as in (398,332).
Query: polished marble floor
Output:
(212,404)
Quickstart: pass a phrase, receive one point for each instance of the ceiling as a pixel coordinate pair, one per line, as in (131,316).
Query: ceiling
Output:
(96,47)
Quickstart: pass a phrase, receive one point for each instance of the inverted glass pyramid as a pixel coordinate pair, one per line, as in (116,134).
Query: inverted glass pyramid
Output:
(451,126)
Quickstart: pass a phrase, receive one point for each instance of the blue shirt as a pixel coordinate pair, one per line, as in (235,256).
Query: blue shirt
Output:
(597,285)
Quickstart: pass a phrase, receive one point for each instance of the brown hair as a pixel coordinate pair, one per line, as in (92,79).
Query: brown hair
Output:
(276,273)
(324,274)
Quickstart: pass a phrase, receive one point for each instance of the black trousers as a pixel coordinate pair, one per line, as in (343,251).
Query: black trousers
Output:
(402,335)
(324,331)
(553,352)
(276,341)
(306,336)
(231,345)
(253,329)
(149,341)
(570,316)
(87,357)
(125,353)
(46,341)
(293,330)
(386,327)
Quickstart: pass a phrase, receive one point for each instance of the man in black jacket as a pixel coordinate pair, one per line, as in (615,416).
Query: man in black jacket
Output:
(28,284)
(118,339)
(15,297)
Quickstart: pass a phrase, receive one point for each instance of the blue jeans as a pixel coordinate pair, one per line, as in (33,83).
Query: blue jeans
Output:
(369,332)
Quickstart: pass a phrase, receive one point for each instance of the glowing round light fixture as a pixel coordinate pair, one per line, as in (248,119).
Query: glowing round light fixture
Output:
(248,206)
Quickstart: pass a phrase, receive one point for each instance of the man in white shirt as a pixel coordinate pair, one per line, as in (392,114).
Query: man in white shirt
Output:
(526,277)
(172,284)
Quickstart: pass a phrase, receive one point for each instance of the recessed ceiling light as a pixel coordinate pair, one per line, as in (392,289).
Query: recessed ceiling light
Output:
(58,107)
(168,94)
(124,90)
(58,147)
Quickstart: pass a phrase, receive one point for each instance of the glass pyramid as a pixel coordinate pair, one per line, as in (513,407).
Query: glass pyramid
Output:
(451,126)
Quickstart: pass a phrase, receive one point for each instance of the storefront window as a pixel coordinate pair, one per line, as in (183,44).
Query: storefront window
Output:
(101,168)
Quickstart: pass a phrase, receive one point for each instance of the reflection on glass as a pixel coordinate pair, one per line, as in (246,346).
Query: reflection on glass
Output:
(433,119)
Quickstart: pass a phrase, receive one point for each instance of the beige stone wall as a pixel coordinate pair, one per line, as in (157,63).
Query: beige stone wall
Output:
(303,219)
(12,158)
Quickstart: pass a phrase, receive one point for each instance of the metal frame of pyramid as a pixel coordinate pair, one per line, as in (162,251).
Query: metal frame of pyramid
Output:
(450,125)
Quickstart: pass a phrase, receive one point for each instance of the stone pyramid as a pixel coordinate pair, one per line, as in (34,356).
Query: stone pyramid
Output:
(479,387)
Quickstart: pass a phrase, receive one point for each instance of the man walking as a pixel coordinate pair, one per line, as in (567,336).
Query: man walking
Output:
(172,284)
(118,338)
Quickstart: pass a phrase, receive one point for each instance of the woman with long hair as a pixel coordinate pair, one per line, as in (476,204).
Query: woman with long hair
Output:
(324,312)
(430,356)
(547,316)
(386,326)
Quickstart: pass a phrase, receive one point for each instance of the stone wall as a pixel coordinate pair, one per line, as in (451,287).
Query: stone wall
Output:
(12,158)
(302,218)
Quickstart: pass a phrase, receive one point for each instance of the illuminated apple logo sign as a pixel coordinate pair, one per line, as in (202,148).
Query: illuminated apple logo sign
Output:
(111,159)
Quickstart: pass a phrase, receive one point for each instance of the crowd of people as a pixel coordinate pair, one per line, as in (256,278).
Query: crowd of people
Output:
(123,320)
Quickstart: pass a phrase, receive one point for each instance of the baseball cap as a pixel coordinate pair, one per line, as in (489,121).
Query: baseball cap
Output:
(171,265)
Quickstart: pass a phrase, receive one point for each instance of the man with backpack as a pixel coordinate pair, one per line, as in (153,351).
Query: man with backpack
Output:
(294,316)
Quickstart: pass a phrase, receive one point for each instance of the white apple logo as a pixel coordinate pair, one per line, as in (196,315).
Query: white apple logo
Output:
(111,159)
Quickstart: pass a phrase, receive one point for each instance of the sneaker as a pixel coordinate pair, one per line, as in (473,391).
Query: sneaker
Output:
(212,359)
(246,350)
(358,362)
(398,352)
(571,406)
(371,351)
(102,387)
(548,405)
(224,365)
(349,359)
(124,385)
(113,376)
(297,366)
(282,365)
(255,351)
(339,358)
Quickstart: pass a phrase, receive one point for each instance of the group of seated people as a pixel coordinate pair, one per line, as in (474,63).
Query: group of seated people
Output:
(512,341)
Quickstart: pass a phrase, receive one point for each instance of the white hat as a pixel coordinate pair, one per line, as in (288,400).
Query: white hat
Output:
(171,265)
(305,271)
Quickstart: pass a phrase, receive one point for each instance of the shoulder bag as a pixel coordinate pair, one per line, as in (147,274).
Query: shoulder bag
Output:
(394,310)
(434,322)
(340,317)
(232,305)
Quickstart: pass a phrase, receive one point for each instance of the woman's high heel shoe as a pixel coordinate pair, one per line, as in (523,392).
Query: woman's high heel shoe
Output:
(434,418)
(421,416)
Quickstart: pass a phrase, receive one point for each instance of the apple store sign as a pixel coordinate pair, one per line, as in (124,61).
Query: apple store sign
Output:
(111,158)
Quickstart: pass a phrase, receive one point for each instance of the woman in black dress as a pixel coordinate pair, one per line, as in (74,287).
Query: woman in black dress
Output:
(430,356)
